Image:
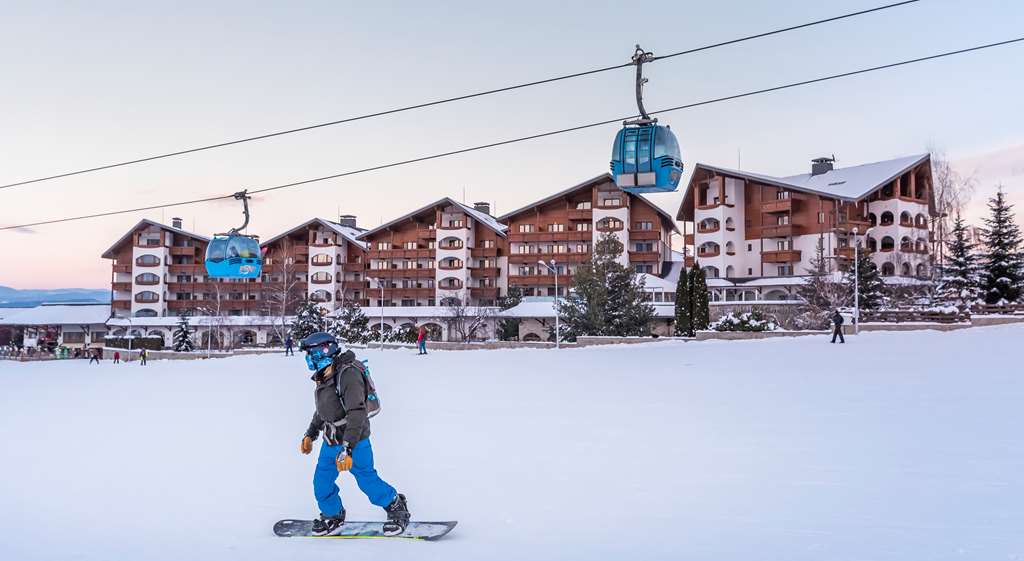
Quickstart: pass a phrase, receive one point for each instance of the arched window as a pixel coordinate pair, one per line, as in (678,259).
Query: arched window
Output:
(450,283)
(147,260)
(609,224)
(146,313)
(450,243)
(905,219)
(906,244)
(450,301)
(922,271)
(887,219)
(921,221)
(147,278)
(730,224)
(321,277)
(730,272)
(450,263)
(921,245)
(322,259)
(531,337)
(888,244)
(708,225)
(147,297)
(320,296)
(730,249)
(905,269)
(711,272)
(873,219)
(709,249)
(872,244)
(888,269)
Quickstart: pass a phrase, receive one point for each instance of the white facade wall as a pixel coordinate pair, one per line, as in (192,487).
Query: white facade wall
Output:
(162,253)
(622,214)
(468,239)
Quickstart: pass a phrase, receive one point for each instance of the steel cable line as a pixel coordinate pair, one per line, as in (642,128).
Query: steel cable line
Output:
(447,100)
(533,136)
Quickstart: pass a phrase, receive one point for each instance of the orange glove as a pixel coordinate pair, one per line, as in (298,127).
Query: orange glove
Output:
(343,460)
(307,445)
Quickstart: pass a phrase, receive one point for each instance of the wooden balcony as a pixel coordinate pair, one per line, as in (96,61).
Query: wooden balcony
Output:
(706,253)
(483,292)
(780,231)
(121,285)
(122,268)
(580,214)
(190,268)
(148,244)
(175,250)
(484,272)
(539,280)
(644,256)
(353,267)
(121,304)
(845,252)
(321,280)
(140,300)
(782,256)
(779,206)
(485,252)
(689,261)
(654,235)
(419,253)
(532,258)
(300,249)
(708,228)
(426,234)
(451,265)
(570,236)
(179,305)
(688,239)
(423,273)
(402,293)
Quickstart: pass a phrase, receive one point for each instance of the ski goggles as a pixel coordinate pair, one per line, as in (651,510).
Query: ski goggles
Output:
(316,359)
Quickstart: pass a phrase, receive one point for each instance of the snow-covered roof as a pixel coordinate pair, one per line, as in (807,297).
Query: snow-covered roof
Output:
(481,217)
(109,253)
(531,307)
(850,183)
(167,321)
(422,312)
(348,232)
(56,314)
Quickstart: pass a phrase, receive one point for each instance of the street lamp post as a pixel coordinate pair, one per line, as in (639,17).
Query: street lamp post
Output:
(554,271)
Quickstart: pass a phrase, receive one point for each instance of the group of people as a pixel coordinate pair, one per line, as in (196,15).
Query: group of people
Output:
(421,343)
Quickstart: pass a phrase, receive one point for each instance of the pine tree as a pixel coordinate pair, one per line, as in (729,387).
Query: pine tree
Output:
(870,282)
(699,294)
(684,305)
(309,319)
(508,328)
(959,283)
(182,337)
(351,324)
(1004,266)
(606,297)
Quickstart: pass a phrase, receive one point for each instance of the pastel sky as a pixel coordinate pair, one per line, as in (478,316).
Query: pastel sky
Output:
(88,83)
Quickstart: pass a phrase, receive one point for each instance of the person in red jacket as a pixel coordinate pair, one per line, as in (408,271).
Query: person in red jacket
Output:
(421,340)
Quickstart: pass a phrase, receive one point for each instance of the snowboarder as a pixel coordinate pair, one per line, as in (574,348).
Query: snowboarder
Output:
(421,340)
(94,356)
(837,320)
(340,395)
(117,357)
(143,354)
(288,342)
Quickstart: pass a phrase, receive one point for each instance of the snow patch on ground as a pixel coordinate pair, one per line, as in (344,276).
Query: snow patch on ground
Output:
(894,446)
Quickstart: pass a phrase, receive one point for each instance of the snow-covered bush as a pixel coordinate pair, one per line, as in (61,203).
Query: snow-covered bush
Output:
(754,320)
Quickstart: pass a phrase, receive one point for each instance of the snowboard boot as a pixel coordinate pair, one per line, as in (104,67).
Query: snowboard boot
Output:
(327,525)
(398,516)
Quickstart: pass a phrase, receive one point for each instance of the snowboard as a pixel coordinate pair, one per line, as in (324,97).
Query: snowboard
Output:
(354,529)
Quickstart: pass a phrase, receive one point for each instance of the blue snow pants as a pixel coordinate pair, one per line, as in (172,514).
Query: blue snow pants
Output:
(423,346)
(325,487)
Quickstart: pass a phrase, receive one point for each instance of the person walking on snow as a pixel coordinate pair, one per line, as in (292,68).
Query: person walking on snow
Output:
(94,356)
(142,357)
(340,395)
(117,357)
(837,320)
(421,340)
(288,341)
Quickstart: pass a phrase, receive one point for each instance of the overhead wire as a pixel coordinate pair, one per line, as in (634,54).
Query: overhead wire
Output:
(463,97)
(530,137)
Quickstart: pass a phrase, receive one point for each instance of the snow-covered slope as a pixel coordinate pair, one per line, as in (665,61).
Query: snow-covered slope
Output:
(895,446)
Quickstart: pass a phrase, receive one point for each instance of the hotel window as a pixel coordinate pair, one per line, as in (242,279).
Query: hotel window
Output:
(785,270)
(582,248)
(784,245)
(431,244)
(382,246)
(643,225)
(583,205)
(611,201)
(525,228)
(750,271)
(821,218)
(750,247)
(487,244)
(410,245)
(583,227)
(782,220)
(781,195)
(556,227)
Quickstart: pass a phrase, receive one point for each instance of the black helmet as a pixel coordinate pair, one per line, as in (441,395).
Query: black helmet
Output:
(327,343)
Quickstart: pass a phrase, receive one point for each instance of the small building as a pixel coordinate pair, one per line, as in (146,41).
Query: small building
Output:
(48,326)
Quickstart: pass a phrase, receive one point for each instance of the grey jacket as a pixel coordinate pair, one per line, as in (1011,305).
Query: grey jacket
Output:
(341,418)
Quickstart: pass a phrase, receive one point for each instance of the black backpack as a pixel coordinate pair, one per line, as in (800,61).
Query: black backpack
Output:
(371,397)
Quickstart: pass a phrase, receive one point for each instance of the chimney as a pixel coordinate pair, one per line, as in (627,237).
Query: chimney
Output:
(821,165)
(176,223)
(482,207)
(347,220)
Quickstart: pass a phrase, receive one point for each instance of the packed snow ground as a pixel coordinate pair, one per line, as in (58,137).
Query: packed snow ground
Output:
(894,446)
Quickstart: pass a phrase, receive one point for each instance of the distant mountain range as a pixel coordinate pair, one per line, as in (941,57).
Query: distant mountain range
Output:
(27,298)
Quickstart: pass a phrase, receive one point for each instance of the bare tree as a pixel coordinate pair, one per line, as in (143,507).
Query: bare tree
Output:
(281,297)
(463,321)
(215,316)
(951,192)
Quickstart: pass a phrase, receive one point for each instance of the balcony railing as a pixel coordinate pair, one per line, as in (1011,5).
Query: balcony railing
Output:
(569,236)
(645,234)
(703,228)
(122,268)
(580,214)
(779,231)
(781,256)
(353,267)
(845,252)
(450,265)
(779,206)
(532,258)
(643,256)
(688,239)
(539,280)
(709,252)
(484,272)
(121,304)
(178,250)
(485,252)
(483,292)
(121,285)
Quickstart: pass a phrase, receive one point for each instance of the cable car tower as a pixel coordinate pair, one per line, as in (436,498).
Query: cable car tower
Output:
(645,156)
